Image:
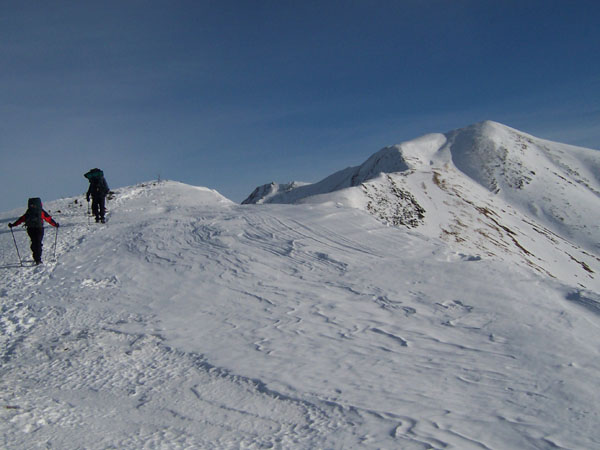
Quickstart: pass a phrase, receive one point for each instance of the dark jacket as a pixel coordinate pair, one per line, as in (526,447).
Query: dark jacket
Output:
(98,185)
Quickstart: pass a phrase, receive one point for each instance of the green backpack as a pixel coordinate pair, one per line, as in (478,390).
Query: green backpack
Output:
(94,174)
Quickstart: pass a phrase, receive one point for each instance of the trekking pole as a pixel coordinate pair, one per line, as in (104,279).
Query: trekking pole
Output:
(88,214)
(15,241)
(55,239)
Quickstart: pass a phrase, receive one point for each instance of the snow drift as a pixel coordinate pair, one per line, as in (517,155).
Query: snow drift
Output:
(188,321)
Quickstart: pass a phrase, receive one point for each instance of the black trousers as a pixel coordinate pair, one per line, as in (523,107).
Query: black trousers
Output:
(98,207)
(36,234)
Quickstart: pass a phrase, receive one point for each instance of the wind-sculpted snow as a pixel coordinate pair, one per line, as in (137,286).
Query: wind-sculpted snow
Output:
(486,188)
(190,322)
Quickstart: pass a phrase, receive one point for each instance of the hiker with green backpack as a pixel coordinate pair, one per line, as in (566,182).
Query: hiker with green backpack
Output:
(98,190)
(34,219)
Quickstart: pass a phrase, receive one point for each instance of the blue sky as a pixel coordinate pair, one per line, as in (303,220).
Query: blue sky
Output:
(234,94)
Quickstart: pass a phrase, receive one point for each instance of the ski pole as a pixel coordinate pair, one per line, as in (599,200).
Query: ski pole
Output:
(55,239)
(88,214)
(15,241)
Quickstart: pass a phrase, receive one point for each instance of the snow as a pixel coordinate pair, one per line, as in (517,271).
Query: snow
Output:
(486,189)
(188,321)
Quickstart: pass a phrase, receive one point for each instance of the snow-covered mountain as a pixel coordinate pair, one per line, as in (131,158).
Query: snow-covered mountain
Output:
(188,321)
(487,189)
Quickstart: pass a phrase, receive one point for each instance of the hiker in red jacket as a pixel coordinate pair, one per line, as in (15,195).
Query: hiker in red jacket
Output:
(34,219)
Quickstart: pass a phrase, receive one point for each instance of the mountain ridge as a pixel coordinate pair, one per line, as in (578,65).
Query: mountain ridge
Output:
(188,320)
(486,187)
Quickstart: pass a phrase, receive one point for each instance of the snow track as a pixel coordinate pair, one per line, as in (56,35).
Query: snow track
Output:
(112,384)
(78,380)
(191,322)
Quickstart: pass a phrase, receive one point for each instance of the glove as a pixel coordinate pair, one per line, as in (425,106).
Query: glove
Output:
(10,225)
(57,224)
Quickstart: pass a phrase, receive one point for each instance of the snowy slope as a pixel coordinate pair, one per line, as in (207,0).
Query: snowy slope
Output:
(486,189)
(190,322)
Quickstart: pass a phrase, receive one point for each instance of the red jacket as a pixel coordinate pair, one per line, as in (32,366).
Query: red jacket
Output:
(47,217)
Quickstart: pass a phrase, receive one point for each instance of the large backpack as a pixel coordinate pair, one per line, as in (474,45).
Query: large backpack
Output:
(94,174)
(98,185)
(33,215)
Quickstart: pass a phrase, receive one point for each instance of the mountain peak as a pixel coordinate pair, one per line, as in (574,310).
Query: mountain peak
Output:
(486,187)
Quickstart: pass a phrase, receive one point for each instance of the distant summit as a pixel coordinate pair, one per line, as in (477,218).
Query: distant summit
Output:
(486,187)
(264,193)
(496,156)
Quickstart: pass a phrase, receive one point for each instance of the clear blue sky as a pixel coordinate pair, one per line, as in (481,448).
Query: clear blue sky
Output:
(233,94)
